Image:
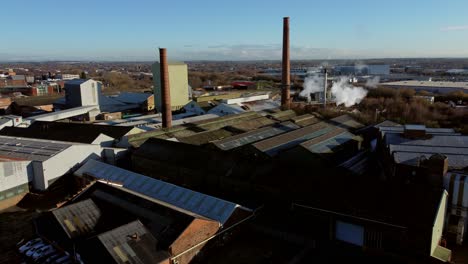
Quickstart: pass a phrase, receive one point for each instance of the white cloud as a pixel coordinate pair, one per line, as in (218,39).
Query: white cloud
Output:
(455,28)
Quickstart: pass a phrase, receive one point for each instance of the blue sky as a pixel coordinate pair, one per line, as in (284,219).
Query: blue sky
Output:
(231,30)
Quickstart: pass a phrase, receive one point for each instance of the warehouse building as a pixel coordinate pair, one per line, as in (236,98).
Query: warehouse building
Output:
(429,156)
(42,161)
(430,86)
(105,136)
(114,200)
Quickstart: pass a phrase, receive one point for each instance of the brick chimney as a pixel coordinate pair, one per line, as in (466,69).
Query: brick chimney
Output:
(165,90)
(286,78)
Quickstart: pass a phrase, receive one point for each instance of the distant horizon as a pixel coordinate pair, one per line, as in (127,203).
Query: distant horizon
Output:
(239,60)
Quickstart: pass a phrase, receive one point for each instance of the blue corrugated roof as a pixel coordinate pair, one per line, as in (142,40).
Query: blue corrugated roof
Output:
(195,202)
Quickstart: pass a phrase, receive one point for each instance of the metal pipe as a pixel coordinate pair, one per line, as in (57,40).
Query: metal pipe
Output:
(165,90)
(286,78)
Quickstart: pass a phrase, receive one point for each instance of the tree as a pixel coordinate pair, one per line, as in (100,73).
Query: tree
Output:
(82,75)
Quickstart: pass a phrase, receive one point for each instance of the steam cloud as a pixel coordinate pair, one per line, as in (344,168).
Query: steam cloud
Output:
(347,94)
(373,82)
(342,91)
(312,84)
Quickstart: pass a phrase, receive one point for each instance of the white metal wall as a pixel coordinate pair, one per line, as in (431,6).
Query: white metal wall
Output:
(14,173)
(439,222)
(64,161)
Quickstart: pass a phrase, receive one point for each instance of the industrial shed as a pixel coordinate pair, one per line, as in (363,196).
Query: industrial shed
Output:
(179,219)
(43,161)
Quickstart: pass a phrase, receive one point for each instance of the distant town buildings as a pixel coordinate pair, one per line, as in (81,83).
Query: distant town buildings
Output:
(436,87)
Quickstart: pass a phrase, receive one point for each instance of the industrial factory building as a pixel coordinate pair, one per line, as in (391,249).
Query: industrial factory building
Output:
(38,163)
(86,94)
(429,86)
(105,136)
(120,213)
(429,156)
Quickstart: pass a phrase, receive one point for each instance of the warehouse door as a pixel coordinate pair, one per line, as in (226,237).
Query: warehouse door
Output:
(349,233)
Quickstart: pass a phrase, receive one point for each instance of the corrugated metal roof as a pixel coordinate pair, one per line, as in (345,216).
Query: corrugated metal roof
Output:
(130,243)
(387,123)
(409,151)
(429,130)
(434,141)
(79,218)
(30,149)
(415,83)
(346,122)
(254,136)
(412,158)
(198,203)
(326,143)
(133,98)
(205,137)
(290,139)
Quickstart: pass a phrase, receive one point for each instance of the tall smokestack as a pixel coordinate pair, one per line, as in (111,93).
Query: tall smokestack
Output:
(325,86)
(285,102)
(165,90)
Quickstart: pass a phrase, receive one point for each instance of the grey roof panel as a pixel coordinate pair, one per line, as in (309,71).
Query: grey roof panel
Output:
(78,218)
(130,243)
(30,149)
(198,203)
(255,135)
(328,145)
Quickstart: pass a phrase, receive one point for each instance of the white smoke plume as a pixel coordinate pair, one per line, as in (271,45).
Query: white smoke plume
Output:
(347,94)
(373,82)
(312,84)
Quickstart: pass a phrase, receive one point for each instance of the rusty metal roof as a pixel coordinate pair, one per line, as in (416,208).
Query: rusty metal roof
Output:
(78,219)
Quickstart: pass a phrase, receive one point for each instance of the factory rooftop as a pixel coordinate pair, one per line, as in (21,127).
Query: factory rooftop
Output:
(166,193)
(188,129)
(30,149)
(414,83)
(328,142)
(254,136)
(60,131)
(293,138)
(130,243)
(409,150)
